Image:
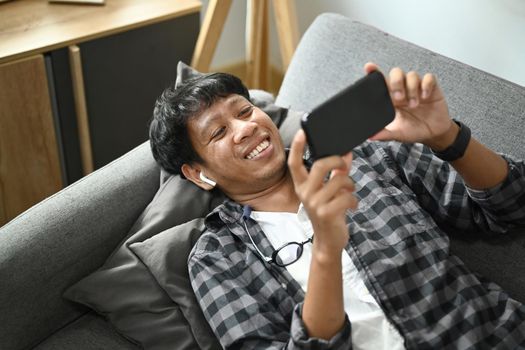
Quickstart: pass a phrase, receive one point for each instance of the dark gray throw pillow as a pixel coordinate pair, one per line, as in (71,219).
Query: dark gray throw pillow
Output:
(125,292)
(166,255)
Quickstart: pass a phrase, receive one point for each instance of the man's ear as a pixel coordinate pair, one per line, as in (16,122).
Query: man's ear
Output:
(192,173)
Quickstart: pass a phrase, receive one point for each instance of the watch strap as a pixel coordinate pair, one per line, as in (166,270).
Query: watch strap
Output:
(457,149)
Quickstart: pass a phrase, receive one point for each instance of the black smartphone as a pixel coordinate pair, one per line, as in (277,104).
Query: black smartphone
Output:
(350,117)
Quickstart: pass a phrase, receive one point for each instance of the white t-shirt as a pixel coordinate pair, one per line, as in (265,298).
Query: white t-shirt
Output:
(370,327)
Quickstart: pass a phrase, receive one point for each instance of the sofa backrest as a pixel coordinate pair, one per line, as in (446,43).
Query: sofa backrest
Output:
(60,240)
(332,53)
(334,49)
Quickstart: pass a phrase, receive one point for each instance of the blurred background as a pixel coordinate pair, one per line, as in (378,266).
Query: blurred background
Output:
(78,82)
(486,34)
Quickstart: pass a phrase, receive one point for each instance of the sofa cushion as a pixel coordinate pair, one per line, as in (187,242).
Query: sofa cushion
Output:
(126,293)
(166,255)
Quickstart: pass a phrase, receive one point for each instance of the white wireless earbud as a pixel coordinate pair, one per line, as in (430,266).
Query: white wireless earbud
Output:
(206,180)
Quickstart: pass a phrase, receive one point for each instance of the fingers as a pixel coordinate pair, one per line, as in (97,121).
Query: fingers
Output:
(396,83)
(412,86)
(408,89)
(295,158)
(428,85)
(340,203)
(320,167)
(370,67)
(340,185)
(383,135)
(311,186)
(324,166)
(347,159)
(315,193)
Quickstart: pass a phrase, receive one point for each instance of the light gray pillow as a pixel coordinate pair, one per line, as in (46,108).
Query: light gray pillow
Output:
(166,255)
(289,127)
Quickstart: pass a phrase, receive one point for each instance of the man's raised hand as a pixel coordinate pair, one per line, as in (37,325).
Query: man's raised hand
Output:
(326,202)
(421,110)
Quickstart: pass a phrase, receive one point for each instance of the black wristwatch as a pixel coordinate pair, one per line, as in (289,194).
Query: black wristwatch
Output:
(457,149)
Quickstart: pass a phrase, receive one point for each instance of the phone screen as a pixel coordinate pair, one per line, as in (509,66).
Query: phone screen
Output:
(349,118)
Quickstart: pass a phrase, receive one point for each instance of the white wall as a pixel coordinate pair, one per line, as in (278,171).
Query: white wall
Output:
(487,34)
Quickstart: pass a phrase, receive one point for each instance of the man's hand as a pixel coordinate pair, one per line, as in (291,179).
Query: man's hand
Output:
(325,202)
(421,110)
(422,116)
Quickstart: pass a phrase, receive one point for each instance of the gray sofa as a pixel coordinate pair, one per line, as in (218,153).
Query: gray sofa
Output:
(67,236)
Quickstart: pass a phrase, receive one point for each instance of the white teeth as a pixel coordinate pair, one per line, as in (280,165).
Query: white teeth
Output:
(261,147)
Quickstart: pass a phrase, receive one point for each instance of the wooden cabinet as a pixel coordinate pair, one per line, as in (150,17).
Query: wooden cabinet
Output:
(29,154)
(78,86)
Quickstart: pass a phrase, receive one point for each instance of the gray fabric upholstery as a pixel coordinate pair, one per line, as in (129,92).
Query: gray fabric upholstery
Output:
(71,234)
(55,243)
(334,49)
(332,54)
(90,332)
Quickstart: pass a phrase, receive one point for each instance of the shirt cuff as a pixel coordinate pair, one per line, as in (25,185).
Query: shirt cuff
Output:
(341,340)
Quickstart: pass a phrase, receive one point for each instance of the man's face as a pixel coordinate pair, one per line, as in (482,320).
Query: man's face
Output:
(240,145)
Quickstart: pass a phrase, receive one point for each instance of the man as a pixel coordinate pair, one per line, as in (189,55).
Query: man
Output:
(298,260)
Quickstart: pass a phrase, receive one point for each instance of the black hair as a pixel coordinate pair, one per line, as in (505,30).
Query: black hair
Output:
(168,132)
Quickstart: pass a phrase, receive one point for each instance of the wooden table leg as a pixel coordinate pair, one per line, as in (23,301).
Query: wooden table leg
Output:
(210,33)
(287,29)
(257,44)
(86,153)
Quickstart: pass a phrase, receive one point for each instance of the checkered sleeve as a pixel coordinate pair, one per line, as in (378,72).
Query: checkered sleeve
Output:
(441,191)
(243,311)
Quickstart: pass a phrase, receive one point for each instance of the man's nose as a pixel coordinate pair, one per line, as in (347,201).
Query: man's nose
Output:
(243,129)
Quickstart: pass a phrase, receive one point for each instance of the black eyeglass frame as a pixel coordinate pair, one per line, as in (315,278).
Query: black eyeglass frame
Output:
(298,256)
(273,259)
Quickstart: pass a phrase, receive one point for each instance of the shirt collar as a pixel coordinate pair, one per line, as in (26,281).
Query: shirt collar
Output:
(226,213)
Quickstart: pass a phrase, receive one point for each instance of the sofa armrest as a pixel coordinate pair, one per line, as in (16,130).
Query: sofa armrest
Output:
(55,243)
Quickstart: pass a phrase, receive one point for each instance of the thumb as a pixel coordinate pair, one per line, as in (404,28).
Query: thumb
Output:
(383,135)
(370,67)
(347,158)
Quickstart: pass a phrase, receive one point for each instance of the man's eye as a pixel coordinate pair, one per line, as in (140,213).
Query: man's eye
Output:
(218,133)
(247,111)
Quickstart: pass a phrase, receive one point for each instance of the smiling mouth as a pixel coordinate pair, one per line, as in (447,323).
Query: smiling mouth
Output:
(261,147)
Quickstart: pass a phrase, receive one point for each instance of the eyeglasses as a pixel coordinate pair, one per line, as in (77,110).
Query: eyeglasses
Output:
(284,255)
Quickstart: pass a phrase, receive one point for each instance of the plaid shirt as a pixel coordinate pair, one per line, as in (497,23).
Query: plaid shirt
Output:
(429,295)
